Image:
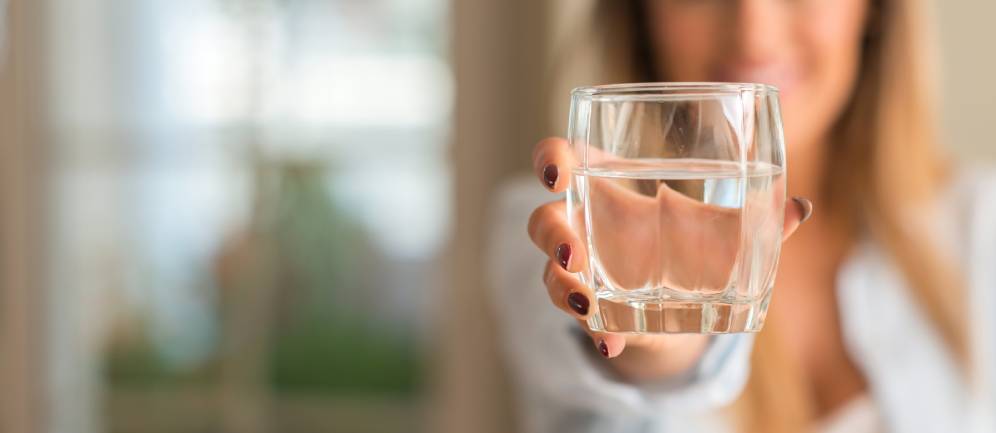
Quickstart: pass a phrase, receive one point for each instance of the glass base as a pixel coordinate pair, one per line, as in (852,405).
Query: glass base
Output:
(678,316)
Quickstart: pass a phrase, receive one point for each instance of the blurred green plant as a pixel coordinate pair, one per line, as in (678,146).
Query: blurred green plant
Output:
(325,343)
(132,360)
(319,341)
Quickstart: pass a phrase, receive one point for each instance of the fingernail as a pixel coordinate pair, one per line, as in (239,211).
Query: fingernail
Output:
(806,207)
(578,303)
(550,175)
(603,348)
(563,254)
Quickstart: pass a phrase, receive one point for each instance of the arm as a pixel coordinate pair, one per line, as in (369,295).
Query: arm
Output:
(554,361)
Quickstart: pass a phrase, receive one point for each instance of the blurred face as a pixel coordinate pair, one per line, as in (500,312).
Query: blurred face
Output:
(809,49)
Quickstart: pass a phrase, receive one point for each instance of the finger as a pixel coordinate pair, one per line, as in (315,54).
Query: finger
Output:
(567,292)
(797,212)
(552,162)
(550,231)
(608,345)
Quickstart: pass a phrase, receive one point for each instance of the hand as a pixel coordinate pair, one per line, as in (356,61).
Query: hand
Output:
(646,356)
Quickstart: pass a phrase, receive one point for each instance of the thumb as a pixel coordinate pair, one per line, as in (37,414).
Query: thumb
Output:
(796,213)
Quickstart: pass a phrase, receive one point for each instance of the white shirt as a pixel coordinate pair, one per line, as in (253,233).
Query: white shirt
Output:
(563,385)
(860,415)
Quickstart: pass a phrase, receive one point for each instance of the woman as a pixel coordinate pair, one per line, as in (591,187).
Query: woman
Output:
(878,320)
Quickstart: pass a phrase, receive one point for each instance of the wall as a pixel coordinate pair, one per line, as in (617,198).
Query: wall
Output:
(21,404)
(968,71)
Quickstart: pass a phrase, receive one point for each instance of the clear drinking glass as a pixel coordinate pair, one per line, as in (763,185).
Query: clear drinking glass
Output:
(678,190)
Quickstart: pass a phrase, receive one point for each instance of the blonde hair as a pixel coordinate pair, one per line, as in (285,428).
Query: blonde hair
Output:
(885,140)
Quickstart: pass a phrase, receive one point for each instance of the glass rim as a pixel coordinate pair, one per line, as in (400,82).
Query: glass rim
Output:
(642,90)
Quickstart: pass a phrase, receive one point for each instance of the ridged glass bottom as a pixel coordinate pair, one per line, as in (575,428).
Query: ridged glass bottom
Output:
(678,316)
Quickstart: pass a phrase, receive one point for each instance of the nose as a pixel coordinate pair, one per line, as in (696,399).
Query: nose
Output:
(759,30)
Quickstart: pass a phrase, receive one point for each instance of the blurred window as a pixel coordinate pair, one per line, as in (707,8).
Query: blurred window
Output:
(251,197)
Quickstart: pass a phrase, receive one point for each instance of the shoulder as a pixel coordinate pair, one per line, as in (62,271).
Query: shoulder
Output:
(965,195)
(973,182)
(515,199)
(962,221)
(514,265)
(974,195)
(969,203)
(506,220)
(971,199)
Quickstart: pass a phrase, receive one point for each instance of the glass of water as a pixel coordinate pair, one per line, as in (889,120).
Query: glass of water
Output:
(678,190)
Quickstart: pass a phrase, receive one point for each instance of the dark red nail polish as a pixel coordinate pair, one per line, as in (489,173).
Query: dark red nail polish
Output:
(563,254)
(578,303)
(550,174)
(604,348)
